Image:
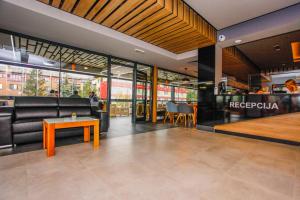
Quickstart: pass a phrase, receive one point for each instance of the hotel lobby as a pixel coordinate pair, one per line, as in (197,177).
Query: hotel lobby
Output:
(150,99)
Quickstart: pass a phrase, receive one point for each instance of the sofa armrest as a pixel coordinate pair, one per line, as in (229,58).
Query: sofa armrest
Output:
(5,129)
(97,113)
(103,117)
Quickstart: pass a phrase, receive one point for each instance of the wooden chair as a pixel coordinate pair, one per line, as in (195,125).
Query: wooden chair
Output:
(124,111)
(148,111)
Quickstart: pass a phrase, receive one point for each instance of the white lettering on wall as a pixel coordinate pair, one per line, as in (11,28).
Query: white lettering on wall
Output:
(253,105)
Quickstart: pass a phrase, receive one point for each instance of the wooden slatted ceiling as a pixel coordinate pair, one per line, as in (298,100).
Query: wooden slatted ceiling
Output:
(236,64)
(169,24)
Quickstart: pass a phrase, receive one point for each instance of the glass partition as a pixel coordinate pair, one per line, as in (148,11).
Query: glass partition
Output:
(36,67)
(176,87)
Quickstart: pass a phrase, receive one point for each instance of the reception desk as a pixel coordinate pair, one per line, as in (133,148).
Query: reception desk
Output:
(257,106)
(270,117)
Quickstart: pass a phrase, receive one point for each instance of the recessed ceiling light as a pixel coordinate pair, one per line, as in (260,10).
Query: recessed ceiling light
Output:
(277,47)
(139,50)
(238,41)
(86,68)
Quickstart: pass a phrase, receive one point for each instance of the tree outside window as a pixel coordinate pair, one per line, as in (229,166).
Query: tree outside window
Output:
(35,84)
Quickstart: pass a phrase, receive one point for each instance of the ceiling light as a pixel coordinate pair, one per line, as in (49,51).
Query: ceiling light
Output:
(238,41)
(86,68)
(49,62)
(139,50)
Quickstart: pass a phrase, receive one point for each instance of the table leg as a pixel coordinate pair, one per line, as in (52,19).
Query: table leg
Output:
(87,135)
(96,134)
(50,140)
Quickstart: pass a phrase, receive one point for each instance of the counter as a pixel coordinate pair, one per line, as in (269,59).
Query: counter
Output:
(256,105)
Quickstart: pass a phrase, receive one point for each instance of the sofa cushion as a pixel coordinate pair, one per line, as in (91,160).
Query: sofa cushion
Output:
(35,113)
(80,112)
(31,102)
(26,138)
(81,106)
(28,125)
(74,102)
(35,107)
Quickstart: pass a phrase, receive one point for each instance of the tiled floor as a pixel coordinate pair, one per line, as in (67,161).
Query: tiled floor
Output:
(175,163)
(119,126)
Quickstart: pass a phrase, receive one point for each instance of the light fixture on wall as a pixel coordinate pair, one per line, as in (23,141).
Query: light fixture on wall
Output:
(221,38)
(277,47)
(139,51)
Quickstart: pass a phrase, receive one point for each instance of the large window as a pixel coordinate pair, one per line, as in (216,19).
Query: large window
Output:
(20,81)
(185,94)
(121,89)
(37,68)
(176,87)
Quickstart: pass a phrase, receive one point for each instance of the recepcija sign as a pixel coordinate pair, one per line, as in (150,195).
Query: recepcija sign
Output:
(254,105)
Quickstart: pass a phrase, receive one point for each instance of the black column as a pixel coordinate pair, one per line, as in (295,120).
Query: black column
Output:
(206,80)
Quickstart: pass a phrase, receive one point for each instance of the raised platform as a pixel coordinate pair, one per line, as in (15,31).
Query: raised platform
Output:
(281,128)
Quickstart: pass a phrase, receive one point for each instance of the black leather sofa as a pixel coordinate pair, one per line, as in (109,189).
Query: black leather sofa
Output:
(24,122)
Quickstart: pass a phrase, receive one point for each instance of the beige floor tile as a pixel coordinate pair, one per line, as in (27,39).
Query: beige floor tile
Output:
(12,161)
(152,187)
(193,174)
(172,164)
(220,157)
(232,189)
(13,183)
(284,167)
(298,170)
(297,189)
(268,178)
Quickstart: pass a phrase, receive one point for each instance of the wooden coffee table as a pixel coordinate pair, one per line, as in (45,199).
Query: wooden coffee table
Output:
(50,125)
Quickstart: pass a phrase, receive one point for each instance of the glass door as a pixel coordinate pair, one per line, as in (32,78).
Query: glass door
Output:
(121,94)
(142,108)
